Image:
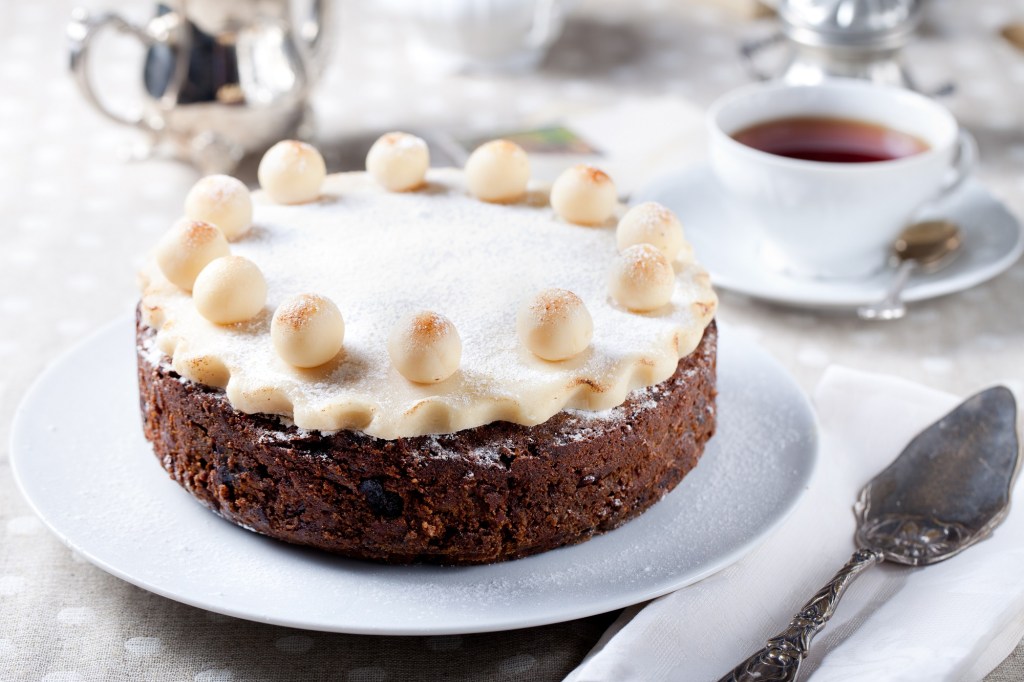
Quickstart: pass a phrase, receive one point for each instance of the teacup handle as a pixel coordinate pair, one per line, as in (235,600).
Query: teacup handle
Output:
(963,163)
(84,27)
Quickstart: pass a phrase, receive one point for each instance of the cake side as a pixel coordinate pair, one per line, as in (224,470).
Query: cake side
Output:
(495,492)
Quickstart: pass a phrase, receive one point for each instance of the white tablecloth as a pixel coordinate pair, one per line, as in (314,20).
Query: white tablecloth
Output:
(75,218)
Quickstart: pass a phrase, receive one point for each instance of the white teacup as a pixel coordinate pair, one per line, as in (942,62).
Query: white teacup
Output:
(832,219)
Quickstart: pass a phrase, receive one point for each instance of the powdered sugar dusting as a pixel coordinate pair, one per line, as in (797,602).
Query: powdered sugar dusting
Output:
(380,256)
(404,142)
(219,189)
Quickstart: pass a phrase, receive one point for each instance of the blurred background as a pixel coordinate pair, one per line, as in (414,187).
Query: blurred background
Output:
(620,82)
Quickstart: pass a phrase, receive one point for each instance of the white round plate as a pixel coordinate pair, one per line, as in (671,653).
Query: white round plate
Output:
(80,459)
(725,238)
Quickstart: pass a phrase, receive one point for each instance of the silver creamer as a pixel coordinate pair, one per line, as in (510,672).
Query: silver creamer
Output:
(221,77)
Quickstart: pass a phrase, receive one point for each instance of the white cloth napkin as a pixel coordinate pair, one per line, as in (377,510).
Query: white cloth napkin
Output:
(952,621)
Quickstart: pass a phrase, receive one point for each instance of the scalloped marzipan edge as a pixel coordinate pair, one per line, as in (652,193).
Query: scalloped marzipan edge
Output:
(437,414)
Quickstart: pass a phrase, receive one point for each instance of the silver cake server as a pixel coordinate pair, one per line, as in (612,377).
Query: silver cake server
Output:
(948,489)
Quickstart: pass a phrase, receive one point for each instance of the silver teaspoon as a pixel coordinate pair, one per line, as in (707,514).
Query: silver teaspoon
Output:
(948,489)
(1014,34)
(928,246)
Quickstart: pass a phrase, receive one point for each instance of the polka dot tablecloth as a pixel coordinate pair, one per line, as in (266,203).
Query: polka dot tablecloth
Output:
(76,218)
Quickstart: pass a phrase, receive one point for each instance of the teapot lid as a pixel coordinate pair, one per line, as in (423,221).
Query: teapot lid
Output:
(878,24)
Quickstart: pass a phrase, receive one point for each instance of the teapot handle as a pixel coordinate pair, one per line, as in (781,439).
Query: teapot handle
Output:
(81,31)
(315,30)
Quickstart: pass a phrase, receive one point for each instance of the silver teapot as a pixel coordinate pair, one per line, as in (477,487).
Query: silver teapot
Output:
(842,39)
(221,77)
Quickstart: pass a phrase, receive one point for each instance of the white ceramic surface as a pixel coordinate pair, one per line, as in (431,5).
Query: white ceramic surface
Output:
(823,219)
(479,35)
(725,237)
(80,459)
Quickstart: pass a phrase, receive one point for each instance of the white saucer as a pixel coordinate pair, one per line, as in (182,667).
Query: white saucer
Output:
(726,241)
(80,459)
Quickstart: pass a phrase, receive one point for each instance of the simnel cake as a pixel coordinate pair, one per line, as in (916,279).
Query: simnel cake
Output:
(416,364)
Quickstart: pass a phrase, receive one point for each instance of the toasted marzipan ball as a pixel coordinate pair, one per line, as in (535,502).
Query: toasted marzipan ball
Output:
(292,172)
(187,248)
(425,347)
(230,289)
(554,324)
(498,171)
(584,195)
(651,223)
(223,201)
(307,330)
(398,161)
(642,278)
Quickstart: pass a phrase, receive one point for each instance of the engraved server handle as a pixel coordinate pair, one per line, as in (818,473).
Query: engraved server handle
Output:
(780,659)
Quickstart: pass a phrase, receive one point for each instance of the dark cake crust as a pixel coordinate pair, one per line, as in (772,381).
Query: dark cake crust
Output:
(496,492)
